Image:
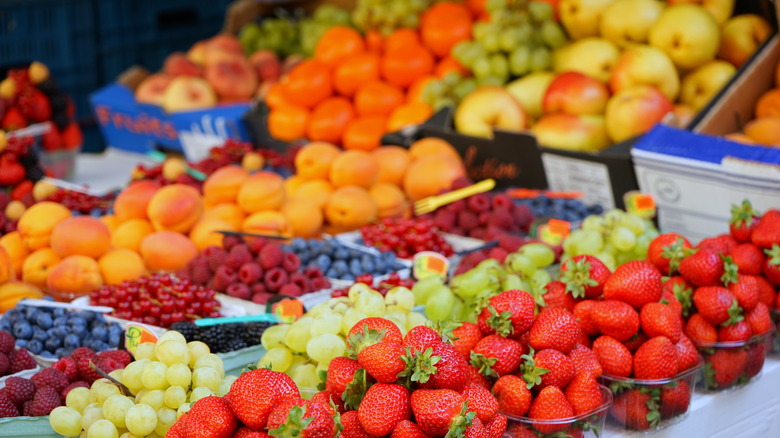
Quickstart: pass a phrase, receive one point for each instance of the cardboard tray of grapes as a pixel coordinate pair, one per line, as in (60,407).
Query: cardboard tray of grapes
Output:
(26,427)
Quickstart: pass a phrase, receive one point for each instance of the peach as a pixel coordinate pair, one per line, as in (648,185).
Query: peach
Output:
(390,200)
(220,46)
(111,222)
(204,233)
(393,162)
(316,191)
(575,93)
(267,222)
(187,93)
(197,53)
(572,132)
(15,249)
(129,234)
(314,160)
(261,191)
(151,89)
(75,275)
(176,207)
(12,292)
(292,184)
(350,207)
(38,221)
(431,146)
(764,130)
(266,64)
(305,217)
(131,203)
(430,175)
(354,168)
(177,64)
(81,235)
(6,266)
(233,80)
(167,251)
(222,185)
(230,213)
(120,265)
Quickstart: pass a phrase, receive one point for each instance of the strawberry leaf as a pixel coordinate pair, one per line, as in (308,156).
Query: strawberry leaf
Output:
(617,387)
(444,329)
(729,271)
(685,296)
(530,372)
(336,418)
(577,277)
(773,255)
(356,390)
(709,377)
(675,253)
(356,342)
(323,376)
(420,366)
(500,322)
(742,214)
(735,313)
(653,405)
(484,364)
(294,425)
(461,422)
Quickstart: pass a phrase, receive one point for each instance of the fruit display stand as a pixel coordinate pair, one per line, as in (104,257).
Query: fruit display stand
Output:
(27,427)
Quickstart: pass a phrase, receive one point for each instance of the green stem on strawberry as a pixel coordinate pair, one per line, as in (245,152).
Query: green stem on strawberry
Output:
(294,424)
(653,405)
(530,372)
(500,322)
(356,390)
(461,422)
(484,364)
(675,253)
(577,277)
(773,255)
(420,366)
(356,342)
(684,295)
(730,270)
(743,214)
(735,313)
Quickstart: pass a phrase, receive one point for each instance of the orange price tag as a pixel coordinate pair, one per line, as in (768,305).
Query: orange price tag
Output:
(429,264)
(553,232)
(137,334)
(640,204)
(288,310)
(559,227)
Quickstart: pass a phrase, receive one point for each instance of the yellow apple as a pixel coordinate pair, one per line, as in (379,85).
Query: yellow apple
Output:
(529,91)
(688,34)
(575,93)
(581,18)
(645,65)
(634,110)
(721,10)
(488,107)
(188,93)
(572,132)
(627,22)
(592,56)
(741,36)
(702,84)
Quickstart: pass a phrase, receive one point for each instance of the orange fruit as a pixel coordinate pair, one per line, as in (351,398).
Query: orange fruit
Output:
(354,72)
(374,41)
(308,84)
(414,93)
(365,133)
(409,114)
(444,25)
(402,38)
(402,67)
(275,96)
(288,122)
(431,146)
(768,104)
(449,64)
(477,7)
(337,44)
(329,120)
(378,98)
(764,130)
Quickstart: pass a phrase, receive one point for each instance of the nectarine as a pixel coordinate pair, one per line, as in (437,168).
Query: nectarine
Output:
(430,175)
(176,207)
(131,203)
(120,265)
(393,162)
(167,251)
(38,221)
(354,167)
(314,160)
(75,275)
(267,222)
(261,191)
(350,208)
(81,235)
(129,234)
(305,218)
(223,185)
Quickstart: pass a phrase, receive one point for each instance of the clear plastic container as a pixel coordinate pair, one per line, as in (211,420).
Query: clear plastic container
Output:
(669,399)
(733,364)
(775,350)
(588,425)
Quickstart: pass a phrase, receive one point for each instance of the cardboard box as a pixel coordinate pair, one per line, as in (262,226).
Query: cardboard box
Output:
(137,127)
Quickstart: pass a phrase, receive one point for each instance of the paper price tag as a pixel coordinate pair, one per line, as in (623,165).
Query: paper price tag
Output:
(554,231)
(429,264)
(640,204)
(287,310)
(136,334)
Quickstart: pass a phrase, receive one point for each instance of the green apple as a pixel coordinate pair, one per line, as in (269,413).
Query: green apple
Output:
(572,132)
(645,65)
(741,36)
(721,10)
(529,91)
(488,107)
(581,18)
(702,84)
(634,110)
(688,34)
(592,56)
(627,22)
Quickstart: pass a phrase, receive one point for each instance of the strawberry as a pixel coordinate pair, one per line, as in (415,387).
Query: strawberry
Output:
(675,399)
(513,395)
(766,292)
(772,265)
(327,397)
(679,293)
(555,295)
(721,244)
(244,432)
(11,171)
(666,250)
(476,429)
(520,430)
(476,378)
(637,283)
(723,367)
(615,318)
(583,311)
(550,404)
(177,429)
(480,401)
(583,393)
(440,412)
(51,141)
(496,356)
(13,120)
(745,290)
(743,221)
(740,331)
(383,407)
(687,354)
(614,357)
(560,369)
(296,417)
(756,357)
(465,337)
(71,136)
(700,331)
(253,410)
(341,371)
(509,314)
(585,361)
(703,268)
(34,105)
(369,331)
(655,359)
(759,319)
(660,319)
(421,337)
(717,305)
(451,369)
(497,426)
(554,328)
(749,258)
(210,417)
(584,276)
(383,361)
(407,429)
(767,233)
(635,342)
(635,409)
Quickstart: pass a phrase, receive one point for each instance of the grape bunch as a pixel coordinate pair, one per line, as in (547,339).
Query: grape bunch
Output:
(382,285)
(387,15)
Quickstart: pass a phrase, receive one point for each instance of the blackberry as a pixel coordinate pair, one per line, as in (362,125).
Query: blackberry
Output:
(188,329)
(253,332)
(214,338)
(234,344)
(35,174)
(29,160)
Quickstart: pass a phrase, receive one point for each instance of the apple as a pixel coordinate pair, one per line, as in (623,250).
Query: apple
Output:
(721,10)
(702,84)
(267,65)
(572,132)
(634,110)
(683,115)
(688,34)
(177,64)
(197,53)
(188,93)
(151,89)
(581,18)
(488,107)
(627,22)
(593,56)
(741,36)
(529,91)
(575,93)
(645,65)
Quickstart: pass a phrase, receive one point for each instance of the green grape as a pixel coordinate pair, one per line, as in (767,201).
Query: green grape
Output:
(622,238)
(509,39)
(413,319)
(172,352)
(174,396)
(553,35)
(356,290)
(499,67)
(623,257)
(141,420)
(211,360)
(520,61)
(179,374)
(642,243)
(633,222)
(608,259)
(172,335)
(278,359)
(325,323)
(399,318)
(612,217)
(460,51)
(511,281)
(542,255)
(101,390)
(197,349)
(305,376)
(423,288)
(525,33)
(115,408)
(155,398)
(116,374)
(325,347)
(594,223)
(541,59)
(451,79)
(183,409)
(480,30)
(145,351)
(153,376)
(372,303)
(491,80)
(410,21)
(491,43)
(466,87)
(439,305)
(274,336)
(298,335)
(225,384)
(468,283)
(351,317)
(539,279)
(444,102)
(520,263)
(297,359)
(481,67)
(102,429)
(198,393)
(165,419)
(65,421)
(206,377)
(495,5)
(540,11)
(92,413)
(248,37)
(591,242)
(77,398)
(399,298)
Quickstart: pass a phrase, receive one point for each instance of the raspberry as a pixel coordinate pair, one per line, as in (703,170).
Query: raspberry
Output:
(68,367)
(510,243)
(270,256)
(523,216)
(183,274)
(7,408)
(76,384)
(7,342)
(85,371)
(239,290)
(5,364)
(502,201)
(478,233)
(319,284)
(215,256)
(27,409)
(50,377)
(478,203)
(45,400)
(292,290)
(255,245)
(261,298)
(250,273)
(467,220)
(290,262)
(498,254)
(274,279)
(459,183)
(21,360)
(83,352)
(444,220)
(108,364)
(258,287)
(224,277)
(200,273)
(301,281)
(312,272)
(228,242)
(19,390)
(120,356)
(237,256)
(502,219)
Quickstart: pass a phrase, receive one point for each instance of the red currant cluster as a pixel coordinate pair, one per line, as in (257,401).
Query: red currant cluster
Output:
(82,202)
(406,237)
(392,280)
(158,299)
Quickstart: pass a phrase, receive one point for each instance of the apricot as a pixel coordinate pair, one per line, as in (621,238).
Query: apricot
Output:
(430,175)
(292,184)
(15,249)
(316,191)
(204,233)
(261,191)
(230,213)
(350,208)
(38,221)
(120,265)
(75,275)
(81,235)
(354,168)
(267,222)
(393,162)
(111,222)
(6,267)
(222,185)
(390,200)
(130,233)
(132,202)
(176,207)
(314,160)
(764,130)
(431,146)
(304,216)
(12,292)
(167,251)
(37,265)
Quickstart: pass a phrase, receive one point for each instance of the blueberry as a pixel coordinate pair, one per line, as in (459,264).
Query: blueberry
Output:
(341,254)
(61,352)
(348,277)
(35,346)
(21,343)
(388,256)
(380,265)
(60,332)
(114,328)
(53,343)
(48,355)
(304,255)
(30,313)
(6,325)
(355,268)
(43,320)
(11,317)
(40,334)
(22,330)
(87,315)
(340,266)
(315,246)
(323,262)
(60,321)
(72,341)
(331,273)
(113,339)
(59,312)
(367,264)
(353,253)
(99,346)
(99,333)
